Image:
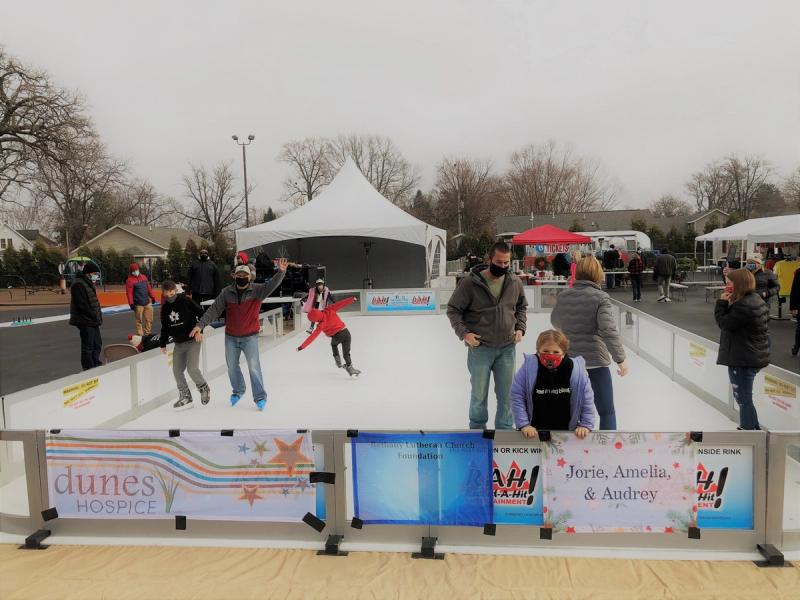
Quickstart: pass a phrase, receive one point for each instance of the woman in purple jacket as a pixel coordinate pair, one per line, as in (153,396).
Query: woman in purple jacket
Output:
(551,391)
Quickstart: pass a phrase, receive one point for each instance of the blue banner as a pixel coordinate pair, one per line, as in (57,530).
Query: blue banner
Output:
(725,487)
(423,479)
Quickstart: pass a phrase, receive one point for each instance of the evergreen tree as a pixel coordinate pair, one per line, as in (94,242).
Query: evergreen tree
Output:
(11,261)
(269,215)
(177,258)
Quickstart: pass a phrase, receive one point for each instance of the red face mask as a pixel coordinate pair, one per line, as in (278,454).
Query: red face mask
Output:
(728,289)
(551,361)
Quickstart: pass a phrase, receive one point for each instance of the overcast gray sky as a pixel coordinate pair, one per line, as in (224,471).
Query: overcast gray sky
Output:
(654,90)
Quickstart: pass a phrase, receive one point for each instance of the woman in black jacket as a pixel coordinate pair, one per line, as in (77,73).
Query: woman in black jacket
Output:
(86,315)
(744,342)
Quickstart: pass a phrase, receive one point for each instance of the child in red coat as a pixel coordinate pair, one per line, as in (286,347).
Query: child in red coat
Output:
(334,328)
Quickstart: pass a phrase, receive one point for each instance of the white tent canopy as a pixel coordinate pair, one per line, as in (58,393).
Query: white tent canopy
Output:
(785,228)
(332,230)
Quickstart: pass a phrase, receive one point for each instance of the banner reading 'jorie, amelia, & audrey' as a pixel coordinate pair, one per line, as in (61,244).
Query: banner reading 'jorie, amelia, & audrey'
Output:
(251,475)
(620,482)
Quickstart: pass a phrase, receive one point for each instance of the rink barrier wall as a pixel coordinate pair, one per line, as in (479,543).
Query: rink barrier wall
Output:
(118,392)
(770,477)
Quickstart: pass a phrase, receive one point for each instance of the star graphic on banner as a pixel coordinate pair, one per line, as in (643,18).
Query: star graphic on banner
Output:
(250,494)
(302,484)
(289,454)
(244,448)
(676,465)
(261,448)
(285,491)
(561,462)
(254,462)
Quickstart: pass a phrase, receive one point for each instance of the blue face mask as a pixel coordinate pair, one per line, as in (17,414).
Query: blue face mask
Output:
(751,267)
(94,278)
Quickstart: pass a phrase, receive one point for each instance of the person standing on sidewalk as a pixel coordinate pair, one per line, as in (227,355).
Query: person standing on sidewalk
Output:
(744,345)
(664,270)
(636,268)
(204,279)
(488,312)
(140,299)
(86,315)
(179,316)
(611,261)
(241,303)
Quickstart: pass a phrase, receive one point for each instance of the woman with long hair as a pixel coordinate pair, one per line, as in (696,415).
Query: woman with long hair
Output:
(744,346)
(584,314)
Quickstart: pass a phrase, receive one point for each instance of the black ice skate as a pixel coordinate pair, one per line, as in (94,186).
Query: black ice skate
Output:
(352,371)
(205,394)
(184,402)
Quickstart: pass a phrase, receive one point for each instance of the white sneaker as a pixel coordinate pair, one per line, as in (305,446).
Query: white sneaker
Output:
(661,298)
(667,299)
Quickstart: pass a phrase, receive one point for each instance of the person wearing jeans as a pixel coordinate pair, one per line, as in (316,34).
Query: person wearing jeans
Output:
(635,268)
(234,348)
(741,379)
(483,361)
(488,313)
(241,303)
(744,345)
(583,313)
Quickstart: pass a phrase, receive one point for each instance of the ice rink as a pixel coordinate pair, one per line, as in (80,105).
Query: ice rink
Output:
(414,376)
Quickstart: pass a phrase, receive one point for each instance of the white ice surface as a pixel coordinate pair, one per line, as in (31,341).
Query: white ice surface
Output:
(414,376)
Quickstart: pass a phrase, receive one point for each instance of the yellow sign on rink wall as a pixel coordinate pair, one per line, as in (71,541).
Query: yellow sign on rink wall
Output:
(782,393)
(79,394)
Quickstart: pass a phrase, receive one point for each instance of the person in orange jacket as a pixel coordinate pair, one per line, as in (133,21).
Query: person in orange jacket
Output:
(330,323)
(140,299)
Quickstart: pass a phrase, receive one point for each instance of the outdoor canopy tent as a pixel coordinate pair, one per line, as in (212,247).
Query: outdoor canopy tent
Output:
(549,234)
(357,234)
(785,228)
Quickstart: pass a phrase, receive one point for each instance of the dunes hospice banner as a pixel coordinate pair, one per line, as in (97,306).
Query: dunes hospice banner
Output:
(620,482)
(251,475)
(422,479)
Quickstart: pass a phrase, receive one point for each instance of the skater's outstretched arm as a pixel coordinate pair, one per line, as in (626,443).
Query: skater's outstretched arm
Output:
(342,303)
(311,338)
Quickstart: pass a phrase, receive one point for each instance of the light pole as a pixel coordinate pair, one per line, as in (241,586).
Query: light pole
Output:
(250,138)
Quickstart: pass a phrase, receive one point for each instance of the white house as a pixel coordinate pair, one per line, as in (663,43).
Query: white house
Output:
(10,237)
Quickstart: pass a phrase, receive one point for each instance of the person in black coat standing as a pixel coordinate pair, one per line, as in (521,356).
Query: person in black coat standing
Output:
(744,346)
(204,278)
(85,314)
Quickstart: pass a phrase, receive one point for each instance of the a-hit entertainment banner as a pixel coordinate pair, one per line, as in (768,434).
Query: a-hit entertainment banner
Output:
(620,482)
(252,475)
(517,485)
(422,479)
(387,302)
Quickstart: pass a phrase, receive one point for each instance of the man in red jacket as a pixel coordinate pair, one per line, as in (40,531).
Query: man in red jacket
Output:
(334,328)
(241,303)
(140,299)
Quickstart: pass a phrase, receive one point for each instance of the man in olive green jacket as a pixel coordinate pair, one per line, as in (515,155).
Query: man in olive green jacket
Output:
(488,312)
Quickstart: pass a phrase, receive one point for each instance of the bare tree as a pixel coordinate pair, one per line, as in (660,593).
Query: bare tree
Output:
(76,182)
(711,188)
(214,206)
(145,206)
(746,175)
(37,121)
(549,178)
(670,206)
(310,168)
(381,163)
(791,190)
(466,187)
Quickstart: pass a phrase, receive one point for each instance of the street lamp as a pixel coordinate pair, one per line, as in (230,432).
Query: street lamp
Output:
(250,138)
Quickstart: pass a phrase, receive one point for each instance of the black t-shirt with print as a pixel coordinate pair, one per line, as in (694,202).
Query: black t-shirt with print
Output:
(551,397)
